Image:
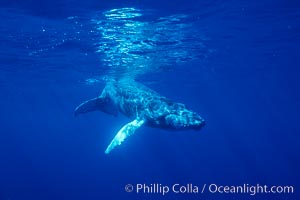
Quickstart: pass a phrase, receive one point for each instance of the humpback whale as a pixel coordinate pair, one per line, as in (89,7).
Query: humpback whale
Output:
(144,106)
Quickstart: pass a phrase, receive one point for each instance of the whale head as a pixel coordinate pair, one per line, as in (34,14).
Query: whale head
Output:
(181,118)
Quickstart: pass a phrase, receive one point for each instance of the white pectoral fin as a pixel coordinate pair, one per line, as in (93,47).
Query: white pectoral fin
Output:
(125,132)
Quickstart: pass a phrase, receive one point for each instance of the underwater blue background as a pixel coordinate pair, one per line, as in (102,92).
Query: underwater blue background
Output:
(237,65)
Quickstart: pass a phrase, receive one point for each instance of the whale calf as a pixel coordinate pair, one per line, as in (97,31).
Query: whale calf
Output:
(144,106)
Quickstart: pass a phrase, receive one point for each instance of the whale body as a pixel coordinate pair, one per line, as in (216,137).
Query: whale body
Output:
(144,106)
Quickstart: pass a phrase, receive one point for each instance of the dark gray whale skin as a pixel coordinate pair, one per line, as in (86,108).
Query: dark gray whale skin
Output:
(142,104)
(135,100)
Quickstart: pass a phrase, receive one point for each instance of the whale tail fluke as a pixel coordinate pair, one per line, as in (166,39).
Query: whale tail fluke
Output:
(126,131)
(100,103)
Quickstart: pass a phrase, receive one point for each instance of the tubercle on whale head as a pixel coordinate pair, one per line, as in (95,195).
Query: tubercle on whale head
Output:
(182,119)
(179,122)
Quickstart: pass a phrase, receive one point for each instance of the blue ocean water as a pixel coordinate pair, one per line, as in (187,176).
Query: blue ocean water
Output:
(236,63)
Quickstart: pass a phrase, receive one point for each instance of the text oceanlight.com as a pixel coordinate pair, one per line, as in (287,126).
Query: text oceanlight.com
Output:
(189,188)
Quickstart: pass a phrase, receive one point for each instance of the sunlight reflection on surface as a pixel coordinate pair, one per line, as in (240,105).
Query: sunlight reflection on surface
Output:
(133,42)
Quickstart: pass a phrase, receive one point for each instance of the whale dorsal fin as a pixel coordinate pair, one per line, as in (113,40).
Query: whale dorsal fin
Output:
(125,132)
(103,104)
